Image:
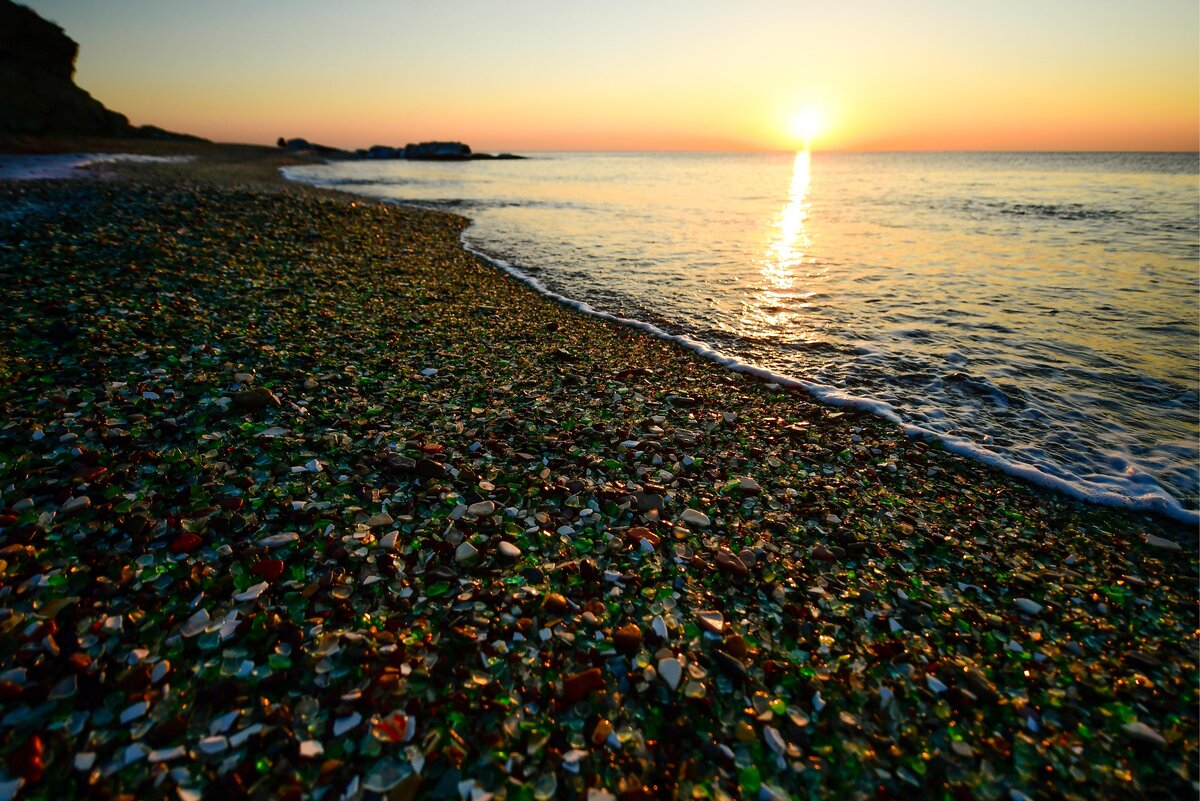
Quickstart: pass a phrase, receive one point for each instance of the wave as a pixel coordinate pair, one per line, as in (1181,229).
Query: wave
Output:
(1133,491)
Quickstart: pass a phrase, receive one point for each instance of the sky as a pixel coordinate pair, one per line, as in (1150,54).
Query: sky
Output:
(531,75)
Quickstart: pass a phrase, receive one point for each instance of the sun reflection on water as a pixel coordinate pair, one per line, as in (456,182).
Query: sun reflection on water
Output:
(786,262)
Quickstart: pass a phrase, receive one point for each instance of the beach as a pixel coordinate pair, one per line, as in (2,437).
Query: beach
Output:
(299,498)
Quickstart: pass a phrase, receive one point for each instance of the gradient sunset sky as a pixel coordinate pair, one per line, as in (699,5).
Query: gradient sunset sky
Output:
(616,75)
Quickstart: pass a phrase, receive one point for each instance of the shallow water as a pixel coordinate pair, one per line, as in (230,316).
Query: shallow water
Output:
(1038,311)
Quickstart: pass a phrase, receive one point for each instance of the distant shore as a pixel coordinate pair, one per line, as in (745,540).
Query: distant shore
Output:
(298,496)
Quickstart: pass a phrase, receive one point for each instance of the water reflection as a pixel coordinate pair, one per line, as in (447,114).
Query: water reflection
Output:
(775,304)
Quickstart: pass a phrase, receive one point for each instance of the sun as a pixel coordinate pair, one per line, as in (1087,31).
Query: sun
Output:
(806,124)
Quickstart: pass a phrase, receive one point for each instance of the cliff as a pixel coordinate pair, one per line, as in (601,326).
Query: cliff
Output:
(38,94)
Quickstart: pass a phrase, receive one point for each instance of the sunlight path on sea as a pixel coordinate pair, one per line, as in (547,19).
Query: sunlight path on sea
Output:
(773,309)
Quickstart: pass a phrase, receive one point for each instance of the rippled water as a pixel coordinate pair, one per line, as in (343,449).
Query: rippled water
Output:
(1038,311)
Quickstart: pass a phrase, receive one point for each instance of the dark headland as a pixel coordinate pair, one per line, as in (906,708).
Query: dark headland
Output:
(299,499)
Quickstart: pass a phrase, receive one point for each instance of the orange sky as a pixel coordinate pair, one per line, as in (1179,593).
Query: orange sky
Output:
(668,75)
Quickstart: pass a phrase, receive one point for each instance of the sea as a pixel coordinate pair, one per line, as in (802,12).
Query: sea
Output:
(1035,311)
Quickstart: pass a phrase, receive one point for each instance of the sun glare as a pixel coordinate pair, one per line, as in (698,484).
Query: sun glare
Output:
(806,125)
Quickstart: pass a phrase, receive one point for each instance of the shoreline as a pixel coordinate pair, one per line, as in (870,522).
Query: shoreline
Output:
(1158,502)
(444,529)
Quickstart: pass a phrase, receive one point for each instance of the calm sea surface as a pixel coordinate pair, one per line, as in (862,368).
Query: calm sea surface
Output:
(1037,311)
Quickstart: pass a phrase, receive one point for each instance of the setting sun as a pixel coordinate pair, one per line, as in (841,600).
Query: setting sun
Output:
(806,125)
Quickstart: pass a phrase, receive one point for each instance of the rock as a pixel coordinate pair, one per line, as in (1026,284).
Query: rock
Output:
(695,518)
(734,668)
(379,520)
(601,732)
(684,437)
(481,509)
(660,627)
(1142,660)
(388,541)
(731,565)
(509,551)
(345,724)
(195,624)
(73,505)
(1162,544)
(774,739)
(748,557)
(636,534)
(735,646)
(1027,606)
(277,540)
(269,569)
(822,553)
(747,486)
(243,378)
(648,501)
(628,638)
(430,469)
(251,593)
(713,622)
(554,603)
(255,399)
(581,685)
(980,685)
(185,543)
(213,745)
(670,670)
(465,552)
(1141,733)
(311,748)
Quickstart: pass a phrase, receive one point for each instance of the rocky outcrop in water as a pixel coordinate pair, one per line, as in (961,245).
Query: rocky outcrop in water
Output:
(423,151)
(38,95)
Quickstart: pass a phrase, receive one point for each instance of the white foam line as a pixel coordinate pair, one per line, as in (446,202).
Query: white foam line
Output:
(1150,501)
(71,165)
(1158,502)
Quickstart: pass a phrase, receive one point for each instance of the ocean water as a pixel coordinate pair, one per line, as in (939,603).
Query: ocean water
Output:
(1036,311)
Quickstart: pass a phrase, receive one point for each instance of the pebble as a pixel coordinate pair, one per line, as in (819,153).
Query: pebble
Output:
(695,518)
(748,486)
(76,504)
(465,552)
(670,670)
(278,540)
(659,626)
(508,550)
(710,621)
(311,748)
(774,739)
(167,754)
(345,724)
(1027,606)
(255,399)
(379,520)
(580,685)
(1142,733)
(628,638)
(195,624)
(481,509)
(251,592)
(1162,543)
(731,565)
(132,713)
(213,745)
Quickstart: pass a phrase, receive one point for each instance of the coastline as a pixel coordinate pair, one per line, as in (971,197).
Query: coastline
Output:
(848,564)
(1036,440)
